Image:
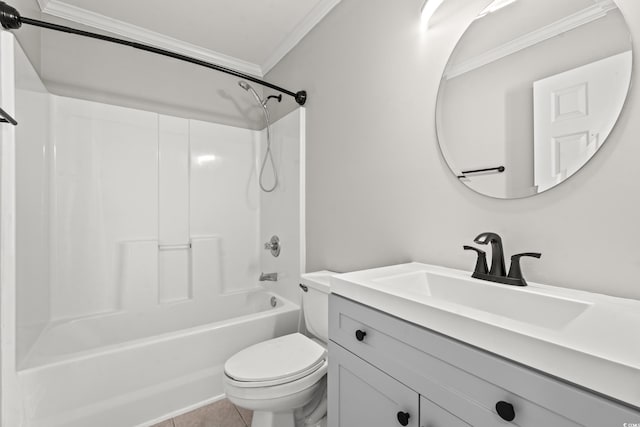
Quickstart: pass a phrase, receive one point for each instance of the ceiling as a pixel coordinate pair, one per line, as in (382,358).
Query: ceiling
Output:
(248,35)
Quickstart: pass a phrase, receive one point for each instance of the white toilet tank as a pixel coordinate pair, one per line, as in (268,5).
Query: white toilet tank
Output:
(315,303)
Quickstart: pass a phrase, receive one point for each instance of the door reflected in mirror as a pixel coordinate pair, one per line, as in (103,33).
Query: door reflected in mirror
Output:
(531,92)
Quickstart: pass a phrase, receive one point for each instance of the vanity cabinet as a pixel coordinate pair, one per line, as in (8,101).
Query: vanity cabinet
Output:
(381,367)
(374,399)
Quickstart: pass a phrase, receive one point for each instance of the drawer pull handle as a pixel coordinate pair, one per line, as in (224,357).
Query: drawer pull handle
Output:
(505,410)
(403,418)
(360,335)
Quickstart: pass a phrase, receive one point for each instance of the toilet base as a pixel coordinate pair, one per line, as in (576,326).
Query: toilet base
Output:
(273,419)
(287,405)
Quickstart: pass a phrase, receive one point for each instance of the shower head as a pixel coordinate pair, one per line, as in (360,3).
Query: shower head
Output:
(246,86)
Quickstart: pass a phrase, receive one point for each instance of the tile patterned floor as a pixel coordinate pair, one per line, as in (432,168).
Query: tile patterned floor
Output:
(219,414)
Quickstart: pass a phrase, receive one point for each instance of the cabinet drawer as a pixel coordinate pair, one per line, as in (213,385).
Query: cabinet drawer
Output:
(464,380)
(361,395)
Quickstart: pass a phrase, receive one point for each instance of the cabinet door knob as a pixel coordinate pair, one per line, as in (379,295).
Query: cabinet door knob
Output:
(360,335)
(403,418)
(505,410)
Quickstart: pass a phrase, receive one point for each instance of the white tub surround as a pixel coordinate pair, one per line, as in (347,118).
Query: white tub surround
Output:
(587,339)
(33,161)
(141,201)
(139,247)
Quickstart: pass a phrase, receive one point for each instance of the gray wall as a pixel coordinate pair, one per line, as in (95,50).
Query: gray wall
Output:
(379,192)
(103,72)
(28,36)
(89,69)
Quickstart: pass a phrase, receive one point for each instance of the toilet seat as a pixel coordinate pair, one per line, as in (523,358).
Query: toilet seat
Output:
(275,362)
(279,381)
(242,390)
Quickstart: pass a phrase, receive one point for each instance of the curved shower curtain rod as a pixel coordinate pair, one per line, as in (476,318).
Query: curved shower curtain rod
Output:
(11,20)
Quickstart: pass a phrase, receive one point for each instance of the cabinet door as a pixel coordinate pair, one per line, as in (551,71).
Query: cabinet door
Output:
(431,415)
(361,395)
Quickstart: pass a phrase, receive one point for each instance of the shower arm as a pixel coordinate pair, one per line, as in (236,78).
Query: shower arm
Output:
(11,20)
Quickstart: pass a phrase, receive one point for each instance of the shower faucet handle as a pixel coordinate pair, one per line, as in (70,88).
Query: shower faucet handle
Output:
(273,245)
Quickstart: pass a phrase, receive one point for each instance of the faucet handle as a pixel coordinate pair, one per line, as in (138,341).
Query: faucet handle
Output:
(481,262)
(515,272)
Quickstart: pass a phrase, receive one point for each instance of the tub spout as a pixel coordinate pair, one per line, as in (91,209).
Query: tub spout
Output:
(269,277)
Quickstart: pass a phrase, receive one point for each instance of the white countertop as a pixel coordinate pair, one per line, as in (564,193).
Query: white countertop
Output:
(598,349)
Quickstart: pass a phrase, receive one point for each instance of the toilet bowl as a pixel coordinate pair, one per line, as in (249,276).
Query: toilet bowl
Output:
(276,377)
(283,380)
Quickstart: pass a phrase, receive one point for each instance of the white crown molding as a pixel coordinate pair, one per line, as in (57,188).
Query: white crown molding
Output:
(570,22)
(298,33)
(85,17)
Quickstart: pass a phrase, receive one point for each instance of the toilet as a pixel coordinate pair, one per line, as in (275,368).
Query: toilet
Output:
(284,380)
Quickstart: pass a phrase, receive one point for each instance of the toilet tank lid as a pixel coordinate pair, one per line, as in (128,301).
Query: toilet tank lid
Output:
(277,358)
(319,280)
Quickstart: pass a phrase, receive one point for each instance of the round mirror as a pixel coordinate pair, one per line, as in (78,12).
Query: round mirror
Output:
(531,92)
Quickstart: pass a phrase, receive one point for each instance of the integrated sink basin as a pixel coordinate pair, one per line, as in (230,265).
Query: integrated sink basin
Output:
(585,338)
(519,304)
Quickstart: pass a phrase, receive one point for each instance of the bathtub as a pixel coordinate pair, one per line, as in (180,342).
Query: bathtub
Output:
(126,369)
